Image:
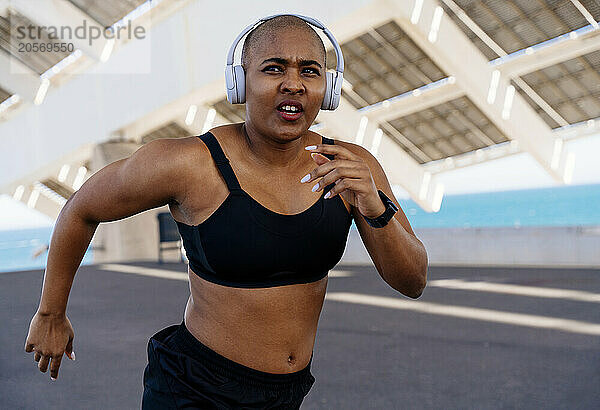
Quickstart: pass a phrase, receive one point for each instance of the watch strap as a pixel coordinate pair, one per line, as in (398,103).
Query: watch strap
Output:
(383,219)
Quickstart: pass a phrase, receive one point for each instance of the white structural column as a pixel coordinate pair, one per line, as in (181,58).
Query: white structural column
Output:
(443,91)
(57,13)
(439,37)
(569,47)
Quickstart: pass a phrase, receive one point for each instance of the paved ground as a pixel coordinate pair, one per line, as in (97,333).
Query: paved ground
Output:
(387,351)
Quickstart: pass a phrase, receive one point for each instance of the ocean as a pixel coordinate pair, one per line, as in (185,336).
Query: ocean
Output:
(17,247)
(574,205)
(571,205)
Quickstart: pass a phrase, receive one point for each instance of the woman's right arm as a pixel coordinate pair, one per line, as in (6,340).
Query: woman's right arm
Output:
(152,176)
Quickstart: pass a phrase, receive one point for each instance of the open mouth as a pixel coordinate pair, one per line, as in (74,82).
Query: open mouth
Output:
(290,110)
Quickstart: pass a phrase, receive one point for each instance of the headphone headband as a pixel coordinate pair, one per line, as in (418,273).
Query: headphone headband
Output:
(338,52)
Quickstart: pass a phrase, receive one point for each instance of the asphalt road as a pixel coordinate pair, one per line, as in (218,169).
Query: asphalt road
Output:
(478,338)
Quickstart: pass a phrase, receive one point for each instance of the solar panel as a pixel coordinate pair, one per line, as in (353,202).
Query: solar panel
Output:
(170,130)
(382,63)
(571,88)
(4,95)
(231,112)
(107,12)
(37,61)
(449,129)
(516,25)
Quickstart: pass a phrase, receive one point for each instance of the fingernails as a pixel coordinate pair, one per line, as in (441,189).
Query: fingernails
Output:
(72,355)
(310,147)
(305,178)
(327,195)
(315,187)
(53,379)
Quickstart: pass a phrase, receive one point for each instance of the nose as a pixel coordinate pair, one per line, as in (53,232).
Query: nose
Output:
(292,83)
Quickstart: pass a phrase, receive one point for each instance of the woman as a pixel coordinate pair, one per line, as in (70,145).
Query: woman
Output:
(259,251)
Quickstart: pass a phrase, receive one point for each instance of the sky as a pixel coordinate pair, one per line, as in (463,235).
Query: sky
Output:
(518,171)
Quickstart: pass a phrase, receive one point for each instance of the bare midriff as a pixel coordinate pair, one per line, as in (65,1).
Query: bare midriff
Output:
(268,329)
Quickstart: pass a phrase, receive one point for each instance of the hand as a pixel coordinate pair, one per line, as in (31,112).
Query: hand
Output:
(352,177)
(50,337)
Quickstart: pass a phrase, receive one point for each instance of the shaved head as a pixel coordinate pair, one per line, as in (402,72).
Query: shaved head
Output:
(266,32)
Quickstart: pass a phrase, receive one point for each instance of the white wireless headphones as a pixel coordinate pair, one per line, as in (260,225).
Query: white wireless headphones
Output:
(235,78)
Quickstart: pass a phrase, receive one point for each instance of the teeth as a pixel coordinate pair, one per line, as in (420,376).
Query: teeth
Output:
(291,108)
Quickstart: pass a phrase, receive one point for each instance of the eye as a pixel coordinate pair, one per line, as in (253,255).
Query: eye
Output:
(271,66)
(314,70)
(278,68)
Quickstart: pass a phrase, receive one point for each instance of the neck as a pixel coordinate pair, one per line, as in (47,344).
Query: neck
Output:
(275,153)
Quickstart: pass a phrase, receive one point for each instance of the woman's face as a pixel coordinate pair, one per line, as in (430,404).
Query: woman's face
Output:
(291,67)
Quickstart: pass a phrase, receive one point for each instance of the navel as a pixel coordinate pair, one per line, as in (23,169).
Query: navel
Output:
(291,360)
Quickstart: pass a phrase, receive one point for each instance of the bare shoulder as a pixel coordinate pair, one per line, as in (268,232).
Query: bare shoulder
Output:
(182,154)
(156,174)
(187,160)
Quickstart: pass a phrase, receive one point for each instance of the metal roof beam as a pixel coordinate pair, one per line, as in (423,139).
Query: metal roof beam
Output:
(413,101)
(568,47)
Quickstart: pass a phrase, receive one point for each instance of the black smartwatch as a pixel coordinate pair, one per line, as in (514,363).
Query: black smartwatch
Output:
(383,219)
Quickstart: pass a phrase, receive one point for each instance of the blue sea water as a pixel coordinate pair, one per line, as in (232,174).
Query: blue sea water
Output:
(574,205)
(17,247)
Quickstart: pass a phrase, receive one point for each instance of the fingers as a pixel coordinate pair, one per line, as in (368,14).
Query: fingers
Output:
(343,184)
(337,150)
(325,168)
(29,347)
(69,349)
(49,360)
(333,173)
(340,174)
(56,359)
(319,157)
(43,363)
(52,360)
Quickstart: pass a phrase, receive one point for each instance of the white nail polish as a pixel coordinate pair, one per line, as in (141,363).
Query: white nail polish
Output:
(310,147)
(53,379)
(327,195)
(315,187)
(73,355)
(305,178)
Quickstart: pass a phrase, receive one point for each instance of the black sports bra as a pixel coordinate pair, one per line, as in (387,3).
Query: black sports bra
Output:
(245,245)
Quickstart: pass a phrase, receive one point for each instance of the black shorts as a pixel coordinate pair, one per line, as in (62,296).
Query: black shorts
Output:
(183,373)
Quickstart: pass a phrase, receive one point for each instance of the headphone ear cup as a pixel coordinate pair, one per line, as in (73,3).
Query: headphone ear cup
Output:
(326,105)
(235,81)
(240,83)
(336,90)
(230,85)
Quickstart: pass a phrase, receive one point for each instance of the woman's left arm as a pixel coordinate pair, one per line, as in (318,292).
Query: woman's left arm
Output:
(400,258)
